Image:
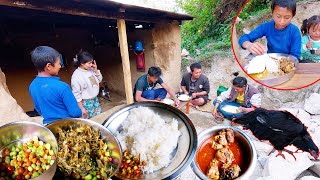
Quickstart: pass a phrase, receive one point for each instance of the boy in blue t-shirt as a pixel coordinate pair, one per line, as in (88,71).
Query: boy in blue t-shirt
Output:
(281,34)
(52,98)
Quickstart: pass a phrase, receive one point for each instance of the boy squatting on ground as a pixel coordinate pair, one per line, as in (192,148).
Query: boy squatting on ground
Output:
(196,85)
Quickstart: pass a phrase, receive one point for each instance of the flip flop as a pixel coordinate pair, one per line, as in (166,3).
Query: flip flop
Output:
(219,119)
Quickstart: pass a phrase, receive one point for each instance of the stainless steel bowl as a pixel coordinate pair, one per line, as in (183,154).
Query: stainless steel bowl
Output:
(21,131)
(185,151)
(106,135)
(280,79)
(249,151)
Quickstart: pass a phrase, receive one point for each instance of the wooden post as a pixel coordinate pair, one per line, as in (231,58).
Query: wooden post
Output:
(122,33)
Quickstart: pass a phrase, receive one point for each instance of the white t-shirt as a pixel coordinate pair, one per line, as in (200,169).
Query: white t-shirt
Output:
(85,84)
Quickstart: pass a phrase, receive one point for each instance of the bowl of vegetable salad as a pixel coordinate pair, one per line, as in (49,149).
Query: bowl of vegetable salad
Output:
(27,151)
(86,149)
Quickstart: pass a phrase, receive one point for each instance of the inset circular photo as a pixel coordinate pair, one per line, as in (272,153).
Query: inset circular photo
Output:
(277,43)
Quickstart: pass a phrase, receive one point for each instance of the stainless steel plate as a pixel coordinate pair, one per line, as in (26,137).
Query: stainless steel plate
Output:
(280,79)
(185,151)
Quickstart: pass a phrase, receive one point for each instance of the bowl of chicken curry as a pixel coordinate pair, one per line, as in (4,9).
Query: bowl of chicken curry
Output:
(224,153)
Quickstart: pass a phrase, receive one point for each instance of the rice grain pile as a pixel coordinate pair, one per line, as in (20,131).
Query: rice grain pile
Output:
(146,133)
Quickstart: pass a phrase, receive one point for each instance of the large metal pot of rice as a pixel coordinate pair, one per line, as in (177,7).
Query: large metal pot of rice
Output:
(142,115)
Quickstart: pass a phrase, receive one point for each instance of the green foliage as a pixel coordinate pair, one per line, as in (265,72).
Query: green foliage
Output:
(212,23)
(255,7)
(184,63)
(210,30)
(202,27)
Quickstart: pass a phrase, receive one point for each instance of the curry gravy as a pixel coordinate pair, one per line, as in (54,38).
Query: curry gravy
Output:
(206,153)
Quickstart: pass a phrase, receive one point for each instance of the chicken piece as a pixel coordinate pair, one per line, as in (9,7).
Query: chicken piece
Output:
(231,172)
(225,155)
(225,166)
(230,135)
(216,145)
(213,172)
(221,138)
(286,65)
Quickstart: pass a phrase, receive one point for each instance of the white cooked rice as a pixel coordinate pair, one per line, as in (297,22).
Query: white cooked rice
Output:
(146,133)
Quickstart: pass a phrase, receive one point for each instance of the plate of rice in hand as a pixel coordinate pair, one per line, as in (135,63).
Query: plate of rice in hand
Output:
(168,101)
(158,140)
(184,97)
(231,109)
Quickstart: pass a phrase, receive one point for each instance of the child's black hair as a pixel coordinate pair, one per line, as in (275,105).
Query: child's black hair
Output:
(42,55)
(239,81)
(154,71)
(195,65)
(289,4)
(82,57)
(308,23)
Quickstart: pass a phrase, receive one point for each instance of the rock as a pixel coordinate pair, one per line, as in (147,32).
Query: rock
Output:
(263,148)
(313,127)
(9,109)
(265,178)
(307,173)
(187,174)
(3,81)
(238,20)
(210,45)
(304,117)
(262,159)
(277,99)
(184,53)
(188,69)
(249,133)
(293,111)
(309,178)
(289,169)
(316,167)
(312,104)
(315,119)
(246,31)
(257,172)
(198,51)
(315,135)
(295,105)
(189,58)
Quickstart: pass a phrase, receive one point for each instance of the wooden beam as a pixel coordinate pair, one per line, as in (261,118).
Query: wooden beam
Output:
(82,10)
(122,32)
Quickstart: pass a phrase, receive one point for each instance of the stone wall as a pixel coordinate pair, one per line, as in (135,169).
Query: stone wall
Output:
(9,109)
(3,81)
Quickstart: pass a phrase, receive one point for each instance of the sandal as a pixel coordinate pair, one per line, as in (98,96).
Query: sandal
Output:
(220,118)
